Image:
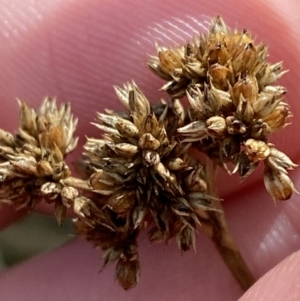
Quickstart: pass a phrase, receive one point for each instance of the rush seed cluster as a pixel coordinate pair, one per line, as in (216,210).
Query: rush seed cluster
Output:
(141,171)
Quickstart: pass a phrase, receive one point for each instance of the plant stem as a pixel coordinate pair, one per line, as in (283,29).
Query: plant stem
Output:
(218,231)
(216,228)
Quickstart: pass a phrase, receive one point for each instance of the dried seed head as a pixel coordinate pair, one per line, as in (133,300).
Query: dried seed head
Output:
(278,184)
(143,175)
(34,156)
(231,91)
(222,55)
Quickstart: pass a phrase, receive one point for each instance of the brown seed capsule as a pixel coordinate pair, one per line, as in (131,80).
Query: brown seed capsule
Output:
(163,171)
(195,181)
(51,190)
(268,100)
(122,202)
(126,128)
(219,75)
(235,126)
(256,150)
(216,126)
(176,164)
(170,60)
(27,117)
(186,238)
(54,137)
(23,166)
(246,86)
(278,184)
(44,168)
(244,110)
(218,27)
(147,141)
(195,131)
(6,138)
(244,58)
(150,125)
(128,273)
(218,54)
(151,158)
(104,182)
(244,165)
(125,150)
(277,119)
(229,147)
(81,207)
(260,130)
(279,161)
(68,195)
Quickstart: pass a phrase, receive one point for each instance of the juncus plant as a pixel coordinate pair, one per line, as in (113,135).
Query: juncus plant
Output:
(262,157)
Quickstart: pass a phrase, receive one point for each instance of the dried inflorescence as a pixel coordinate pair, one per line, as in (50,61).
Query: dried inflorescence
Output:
(141,171)
(234,102)
(143,174)
(32,164)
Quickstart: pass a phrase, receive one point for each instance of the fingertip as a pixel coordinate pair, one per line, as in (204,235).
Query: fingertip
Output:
(280,283)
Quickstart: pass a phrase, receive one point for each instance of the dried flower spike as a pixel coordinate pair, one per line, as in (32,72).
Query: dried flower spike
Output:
(141,172)
(234,102)
(32,164)
(142,175)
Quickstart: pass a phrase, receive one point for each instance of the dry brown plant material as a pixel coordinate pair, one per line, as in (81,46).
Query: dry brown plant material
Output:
(140,169)
(144,176)
(32,165)
(235,102)
(234,106)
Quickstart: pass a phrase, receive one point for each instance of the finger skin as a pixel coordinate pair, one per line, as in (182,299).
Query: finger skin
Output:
(77,50)
(280,283)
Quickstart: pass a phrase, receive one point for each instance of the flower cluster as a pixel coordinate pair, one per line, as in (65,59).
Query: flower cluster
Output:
(32,164)
(143,175)
(234,102)
(141,169)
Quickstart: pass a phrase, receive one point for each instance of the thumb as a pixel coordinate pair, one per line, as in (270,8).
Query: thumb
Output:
(280,283)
